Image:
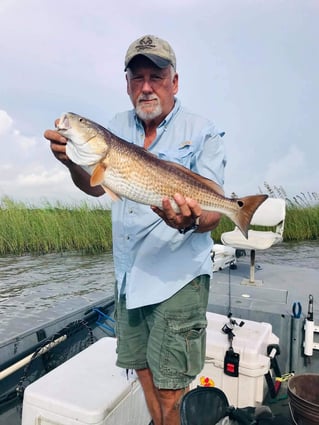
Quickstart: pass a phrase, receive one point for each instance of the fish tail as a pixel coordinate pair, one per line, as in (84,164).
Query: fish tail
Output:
(246,209)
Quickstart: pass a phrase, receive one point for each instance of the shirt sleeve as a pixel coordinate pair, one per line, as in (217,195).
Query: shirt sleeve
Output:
(210,159)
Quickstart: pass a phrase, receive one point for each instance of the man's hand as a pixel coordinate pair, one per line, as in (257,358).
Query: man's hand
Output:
(190,210)
(80,177)
(58,145)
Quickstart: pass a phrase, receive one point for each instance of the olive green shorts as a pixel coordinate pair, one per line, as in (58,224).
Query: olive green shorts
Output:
(169,337)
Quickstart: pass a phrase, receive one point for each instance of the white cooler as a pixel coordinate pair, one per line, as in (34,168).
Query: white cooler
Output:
(87,389)
(250,342)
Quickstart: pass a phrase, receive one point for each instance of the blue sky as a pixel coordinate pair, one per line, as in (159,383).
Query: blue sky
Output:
(251,66)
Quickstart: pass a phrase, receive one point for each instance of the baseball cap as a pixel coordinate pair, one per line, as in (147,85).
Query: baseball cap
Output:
(154,48)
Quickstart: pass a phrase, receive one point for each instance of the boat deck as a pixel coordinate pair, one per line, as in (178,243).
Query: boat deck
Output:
(271,300)
(277,287)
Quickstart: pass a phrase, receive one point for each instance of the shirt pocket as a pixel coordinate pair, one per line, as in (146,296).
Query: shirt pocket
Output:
(182,154)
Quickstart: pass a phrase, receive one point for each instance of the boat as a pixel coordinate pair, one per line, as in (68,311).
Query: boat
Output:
(28,355)
(223,256)
(282,304)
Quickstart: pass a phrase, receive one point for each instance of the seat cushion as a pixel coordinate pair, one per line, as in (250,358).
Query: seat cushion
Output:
(256,239)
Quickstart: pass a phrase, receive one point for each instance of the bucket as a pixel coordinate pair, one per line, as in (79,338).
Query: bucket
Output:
(303,394)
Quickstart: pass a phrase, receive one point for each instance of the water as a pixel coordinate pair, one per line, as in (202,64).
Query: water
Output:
(32,285)
(36,289)
(52,278)
(296,254)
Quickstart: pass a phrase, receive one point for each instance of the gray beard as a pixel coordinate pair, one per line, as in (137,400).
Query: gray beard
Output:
(146,116)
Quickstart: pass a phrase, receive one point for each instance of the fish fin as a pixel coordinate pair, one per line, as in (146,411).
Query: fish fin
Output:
(203,180)
(247,207)
(97,176)
(213,185)
(111,194)
(97,179)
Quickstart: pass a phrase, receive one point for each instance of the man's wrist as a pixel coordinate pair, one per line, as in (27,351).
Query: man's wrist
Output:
(194,226)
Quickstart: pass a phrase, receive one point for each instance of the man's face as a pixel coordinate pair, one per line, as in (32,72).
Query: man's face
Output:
(151,89)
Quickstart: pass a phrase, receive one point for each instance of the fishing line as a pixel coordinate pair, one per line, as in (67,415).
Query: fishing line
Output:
(231,359)
(229,292)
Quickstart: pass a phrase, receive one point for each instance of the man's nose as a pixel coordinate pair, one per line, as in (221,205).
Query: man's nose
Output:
(147,87)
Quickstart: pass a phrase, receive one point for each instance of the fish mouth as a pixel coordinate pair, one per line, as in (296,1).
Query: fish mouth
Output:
(63,124)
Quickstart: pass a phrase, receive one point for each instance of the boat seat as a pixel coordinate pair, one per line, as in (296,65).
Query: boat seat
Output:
(270,213)
(203,405)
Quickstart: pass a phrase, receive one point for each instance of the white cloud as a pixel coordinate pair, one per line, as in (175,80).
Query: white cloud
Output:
(261,87)
(15,146)
(23,142)
(28,170)
(41,177)
(23,165)
(5,123)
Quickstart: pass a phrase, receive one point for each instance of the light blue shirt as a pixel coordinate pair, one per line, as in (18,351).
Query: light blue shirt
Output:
(153,261)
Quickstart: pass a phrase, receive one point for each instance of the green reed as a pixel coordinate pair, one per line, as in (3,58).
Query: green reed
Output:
(53,228)
(58,228)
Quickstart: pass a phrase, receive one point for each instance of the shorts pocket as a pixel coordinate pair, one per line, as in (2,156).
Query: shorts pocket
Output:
(196,349)
(184,344)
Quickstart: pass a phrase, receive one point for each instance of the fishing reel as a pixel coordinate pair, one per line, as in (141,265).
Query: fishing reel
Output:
(229,326)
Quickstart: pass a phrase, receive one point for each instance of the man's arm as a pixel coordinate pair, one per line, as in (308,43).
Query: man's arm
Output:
(208,221)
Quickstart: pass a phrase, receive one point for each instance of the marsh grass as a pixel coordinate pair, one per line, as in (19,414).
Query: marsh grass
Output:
(53,228)
(58,228)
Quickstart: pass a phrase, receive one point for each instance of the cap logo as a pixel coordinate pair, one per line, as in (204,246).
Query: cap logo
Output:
(154,48)
(144,44)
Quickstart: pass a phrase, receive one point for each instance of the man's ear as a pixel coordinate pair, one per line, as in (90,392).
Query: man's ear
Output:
(127,88)
(175,83)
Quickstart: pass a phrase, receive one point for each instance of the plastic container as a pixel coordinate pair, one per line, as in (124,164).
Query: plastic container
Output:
(250,342)
(87,389)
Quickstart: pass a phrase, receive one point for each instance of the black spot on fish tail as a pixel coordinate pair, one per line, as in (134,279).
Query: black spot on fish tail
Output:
(248,205)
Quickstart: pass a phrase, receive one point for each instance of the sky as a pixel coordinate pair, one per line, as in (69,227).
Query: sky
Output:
(250,66)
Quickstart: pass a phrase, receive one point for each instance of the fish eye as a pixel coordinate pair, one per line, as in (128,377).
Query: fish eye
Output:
(80,119)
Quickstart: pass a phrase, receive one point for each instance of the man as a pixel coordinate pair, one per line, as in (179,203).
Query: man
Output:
(161,258)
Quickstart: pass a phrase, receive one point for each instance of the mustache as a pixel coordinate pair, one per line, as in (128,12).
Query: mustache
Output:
(147,97)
